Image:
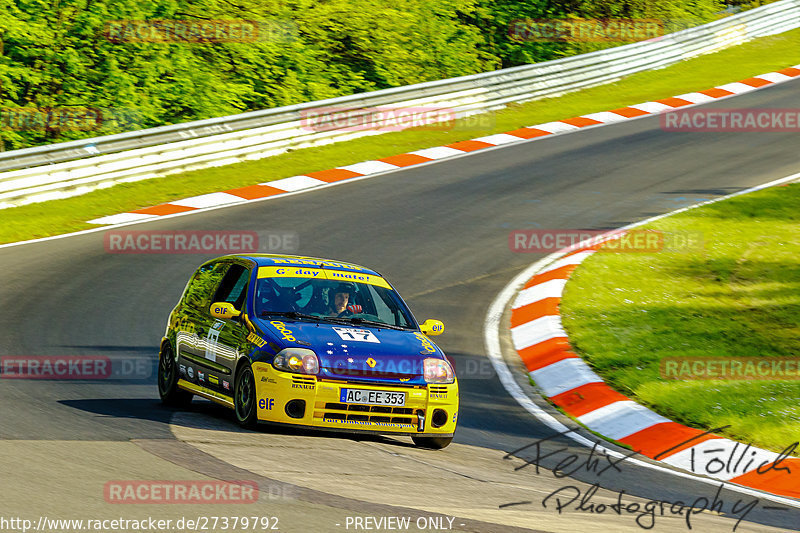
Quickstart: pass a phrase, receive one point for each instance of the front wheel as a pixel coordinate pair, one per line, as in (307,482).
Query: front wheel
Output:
(168,388)
(244,397)
(434,443)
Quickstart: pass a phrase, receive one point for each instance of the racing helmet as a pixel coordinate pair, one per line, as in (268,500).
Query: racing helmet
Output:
(344,287)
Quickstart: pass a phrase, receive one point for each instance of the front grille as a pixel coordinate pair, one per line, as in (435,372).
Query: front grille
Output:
(369,413)
(437,389)
(369,408)
(305,380)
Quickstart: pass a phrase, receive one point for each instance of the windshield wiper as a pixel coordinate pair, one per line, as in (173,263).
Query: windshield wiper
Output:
(334,319)
(366,322)
(291,314)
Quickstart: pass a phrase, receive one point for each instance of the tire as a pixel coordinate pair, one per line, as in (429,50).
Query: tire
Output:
(168,388)
(434,443)
(244,397)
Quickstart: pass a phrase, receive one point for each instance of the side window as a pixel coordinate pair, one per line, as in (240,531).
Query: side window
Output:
(388,308)
(233,288)
(202,284)
(384,311)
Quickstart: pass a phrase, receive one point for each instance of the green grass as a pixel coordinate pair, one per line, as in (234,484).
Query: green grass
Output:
(736,295)
(62,216)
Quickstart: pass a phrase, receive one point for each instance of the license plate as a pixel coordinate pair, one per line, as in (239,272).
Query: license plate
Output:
(374,397)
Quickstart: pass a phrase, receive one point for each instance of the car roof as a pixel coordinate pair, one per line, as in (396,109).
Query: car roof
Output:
(300,260)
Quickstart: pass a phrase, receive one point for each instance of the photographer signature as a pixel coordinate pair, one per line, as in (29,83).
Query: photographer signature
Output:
(599,462)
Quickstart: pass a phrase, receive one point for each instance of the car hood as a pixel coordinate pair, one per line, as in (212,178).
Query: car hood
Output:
(357,352)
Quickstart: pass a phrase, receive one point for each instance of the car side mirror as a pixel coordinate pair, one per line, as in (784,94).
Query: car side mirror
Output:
(224,310)
(432,327)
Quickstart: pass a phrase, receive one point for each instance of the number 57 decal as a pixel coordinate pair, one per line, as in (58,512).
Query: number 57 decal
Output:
(353,334)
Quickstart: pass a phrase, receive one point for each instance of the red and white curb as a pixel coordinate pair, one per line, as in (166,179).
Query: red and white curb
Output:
(368,168)
(542,344)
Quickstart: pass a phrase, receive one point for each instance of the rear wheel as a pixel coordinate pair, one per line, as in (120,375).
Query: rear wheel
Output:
(434,443)
(244,397)
(168,388)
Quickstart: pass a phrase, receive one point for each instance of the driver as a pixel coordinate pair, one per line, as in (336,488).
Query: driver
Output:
(339,304)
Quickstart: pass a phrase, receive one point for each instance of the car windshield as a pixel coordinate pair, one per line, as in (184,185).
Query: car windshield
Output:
(372,303)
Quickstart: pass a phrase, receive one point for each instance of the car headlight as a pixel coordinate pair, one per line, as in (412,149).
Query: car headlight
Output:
(438,371)
(297,360)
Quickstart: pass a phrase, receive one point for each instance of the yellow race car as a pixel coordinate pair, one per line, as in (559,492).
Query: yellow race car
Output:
(308,342)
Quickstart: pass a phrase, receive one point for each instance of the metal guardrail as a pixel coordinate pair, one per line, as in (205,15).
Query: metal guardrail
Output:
(71,168)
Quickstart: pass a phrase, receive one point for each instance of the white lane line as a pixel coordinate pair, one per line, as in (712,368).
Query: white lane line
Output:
(564,375)
(209,200)
(555,127)
(539,330)
(549,289)
(617,420)
(369,167)
(498,138)
(295,183)
(696,98)
(774,77)
(122,218)
(438,152)
(605,117)
(652,107)
(736,87)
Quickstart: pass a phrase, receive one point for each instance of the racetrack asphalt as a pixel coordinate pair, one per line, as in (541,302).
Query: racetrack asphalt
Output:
(438,232)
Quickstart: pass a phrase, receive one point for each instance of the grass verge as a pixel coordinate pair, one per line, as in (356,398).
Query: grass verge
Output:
(63,216)
(735,296)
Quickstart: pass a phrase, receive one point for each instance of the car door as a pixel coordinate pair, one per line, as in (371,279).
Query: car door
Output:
(194,321)
(226,338)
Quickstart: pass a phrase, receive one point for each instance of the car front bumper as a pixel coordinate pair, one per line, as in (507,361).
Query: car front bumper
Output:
(304,400)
